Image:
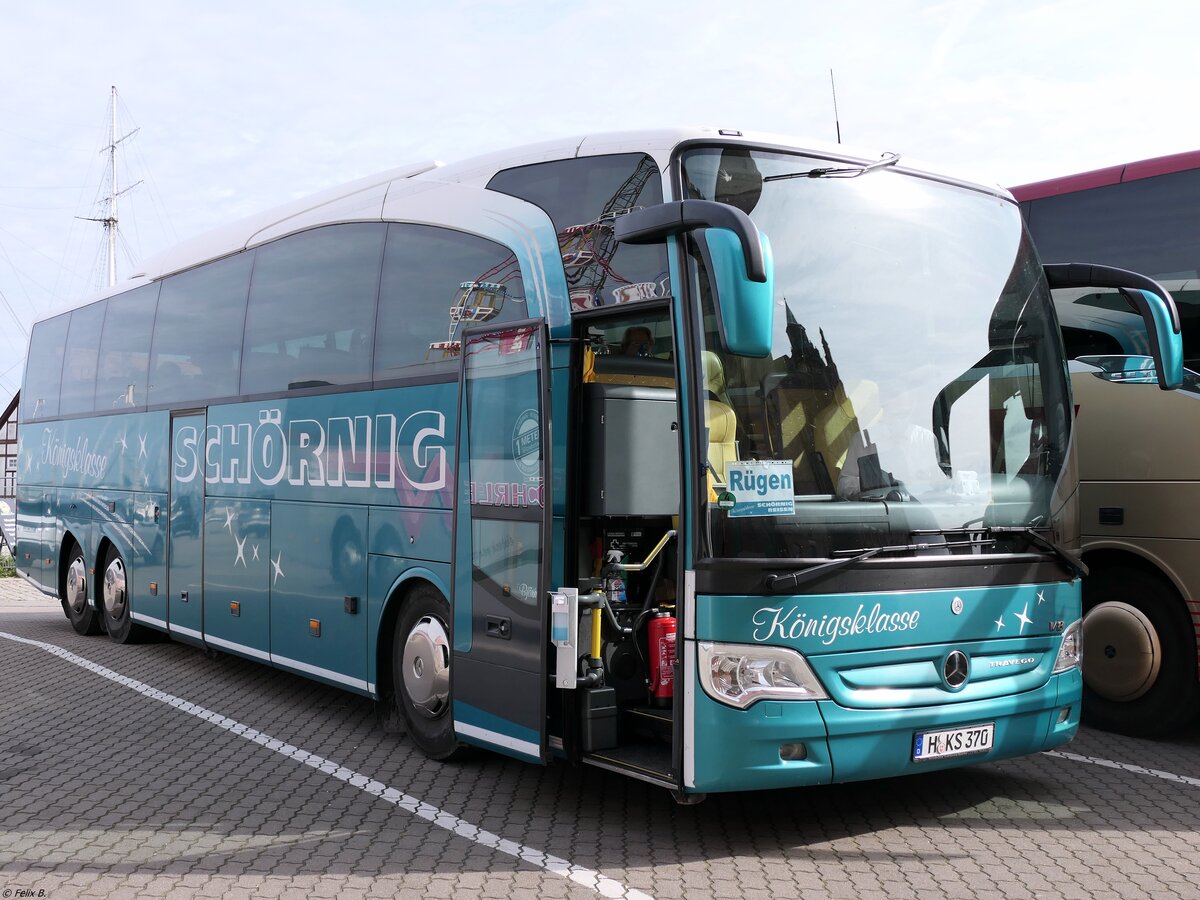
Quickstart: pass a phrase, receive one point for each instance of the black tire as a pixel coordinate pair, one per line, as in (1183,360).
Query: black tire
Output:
(1139,654)
(114,601)
(421,672)
(75,594)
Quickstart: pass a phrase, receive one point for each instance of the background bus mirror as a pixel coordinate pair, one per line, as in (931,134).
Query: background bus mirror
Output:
(1122,369)
(737,257)
(946,398)
(1158,310)
(1152,302)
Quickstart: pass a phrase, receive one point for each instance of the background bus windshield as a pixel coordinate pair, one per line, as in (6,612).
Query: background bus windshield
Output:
(916,380)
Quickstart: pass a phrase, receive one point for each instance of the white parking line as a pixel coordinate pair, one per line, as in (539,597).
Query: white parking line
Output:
(1126,767)
(589,878)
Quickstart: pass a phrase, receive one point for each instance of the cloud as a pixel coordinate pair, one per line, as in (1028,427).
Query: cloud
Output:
(244,106)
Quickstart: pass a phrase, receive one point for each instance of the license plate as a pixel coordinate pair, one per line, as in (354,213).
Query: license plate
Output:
(953,742)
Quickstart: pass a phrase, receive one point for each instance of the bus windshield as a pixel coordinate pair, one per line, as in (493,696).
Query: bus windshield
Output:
(915,389)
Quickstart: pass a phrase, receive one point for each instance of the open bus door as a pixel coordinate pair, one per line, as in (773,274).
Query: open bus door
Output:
(502,541)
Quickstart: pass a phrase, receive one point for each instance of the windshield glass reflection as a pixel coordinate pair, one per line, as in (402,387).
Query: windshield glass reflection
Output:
(915,386)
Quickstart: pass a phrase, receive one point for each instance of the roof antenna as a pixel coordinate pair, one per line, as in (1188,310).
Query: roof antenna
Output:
(833,90)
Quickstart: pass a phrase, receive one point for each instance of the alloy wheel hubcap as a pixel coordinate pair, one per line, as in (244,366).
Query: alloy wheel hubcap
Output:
(77,585)
(426,667)
(114,589)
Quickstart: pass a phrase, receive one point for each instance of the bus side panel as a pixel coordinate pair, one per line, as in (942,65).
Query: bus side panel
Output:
(31,510)
(148,524)
(411,533)
(237,579)
(134,524)
(318,591)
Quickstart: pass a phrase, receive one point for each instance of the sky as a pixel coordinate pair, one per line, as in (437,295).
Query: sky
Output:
(235,107)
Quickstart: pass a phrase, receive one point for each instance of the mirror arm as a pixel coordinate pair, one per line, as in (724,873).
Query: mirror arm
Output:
(652,224)
(1083,275)
(1134,288)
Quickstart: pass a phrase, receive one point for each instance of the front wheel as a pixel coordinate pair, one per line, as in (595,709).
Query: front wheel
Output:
(1139,654)
(114,592)
(421,672)
(85,618)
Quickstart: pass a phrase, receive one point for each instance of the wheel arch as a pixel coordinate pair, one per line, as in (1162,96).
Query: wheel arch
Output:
(1115,555)
(1100,557)
(69,538)
(103,545)
(1110,556)
(397,595)
(98,566)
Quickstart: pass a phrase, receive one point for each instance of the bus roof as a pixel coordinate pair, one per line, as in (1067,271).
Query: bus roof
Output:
(1082,181)
(381,196)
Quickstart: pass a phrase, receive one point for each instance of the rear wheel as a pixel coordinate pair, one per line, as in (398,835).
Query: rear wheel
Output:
(85,618)
(1139,654)
(421,672)
(114,594)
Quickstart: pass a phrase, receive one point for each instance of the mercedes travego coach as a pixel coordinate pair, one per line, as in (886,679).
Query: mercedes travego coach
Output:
(720,460)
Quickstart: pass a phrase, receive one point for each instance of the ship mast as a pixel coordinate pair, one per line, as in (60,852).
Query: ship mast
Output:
(110,221)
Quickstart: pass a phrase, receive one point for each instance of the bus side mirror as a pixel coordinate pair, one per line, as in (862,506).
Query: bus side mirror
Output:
(1149,298)
(736,255)
(1119,369)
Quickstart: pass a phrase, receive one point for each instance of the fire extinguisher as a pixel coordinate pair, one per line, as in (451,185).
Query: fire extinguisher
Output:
(661,637)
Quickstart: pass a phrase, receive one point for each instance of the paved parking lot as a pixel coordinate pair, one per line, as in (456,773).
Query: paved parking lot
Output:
(157,771)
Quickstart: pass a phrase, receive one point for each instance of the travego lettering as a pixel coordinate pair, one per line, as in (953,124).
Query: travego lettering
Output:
(344,451)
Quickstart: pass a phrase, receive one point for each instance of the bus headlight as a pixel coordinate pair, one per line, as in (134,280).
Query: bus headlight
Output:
(739,675)
(1070,651)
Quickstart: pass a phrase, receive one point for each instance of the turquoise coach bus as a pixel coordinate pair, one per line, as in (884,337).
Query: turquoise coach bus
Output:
(631,449)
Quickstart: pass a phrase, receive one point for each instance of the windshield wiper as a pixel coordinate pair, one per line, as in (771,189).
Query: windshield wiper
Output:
(888,159)
(1068,559)
(778,583)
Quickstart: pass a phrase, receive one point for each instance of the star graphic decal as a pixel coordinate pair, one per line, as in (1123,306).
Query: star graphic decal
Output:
(1023,618)
(123,443)
(1000,623)
(254,551)
(241,552)
(1041,597)
(142,449)
(229,515)
(275,564)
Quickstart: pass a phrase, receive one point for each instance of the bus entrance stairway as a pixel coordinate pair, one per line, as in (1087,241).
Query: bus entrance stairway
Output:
(644,750)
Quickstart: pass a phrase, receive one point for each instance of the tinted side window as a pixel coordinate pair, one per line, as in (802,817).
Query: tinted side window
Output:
(582,196)
(79,364)
(428,273)
(312,309)
(43,369)
(125,349)
(198,332)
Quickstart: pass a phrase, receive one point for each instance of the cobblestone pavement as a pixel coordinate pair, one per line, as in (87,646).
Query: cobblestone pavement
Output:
(157,771)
